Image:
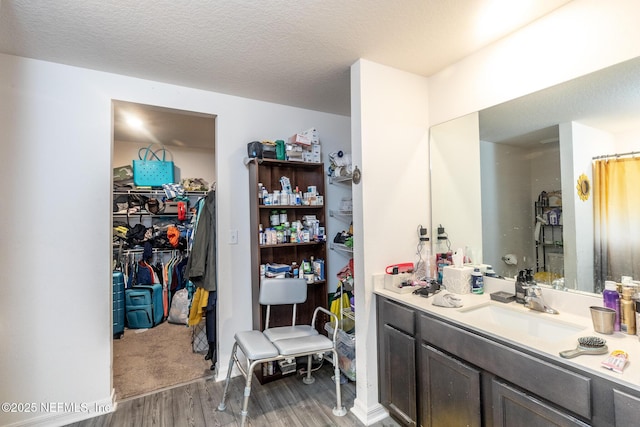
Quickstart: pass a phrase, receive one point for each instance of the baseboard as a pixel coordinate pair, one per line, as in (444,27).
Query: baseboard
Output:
(370,415)
(62,413)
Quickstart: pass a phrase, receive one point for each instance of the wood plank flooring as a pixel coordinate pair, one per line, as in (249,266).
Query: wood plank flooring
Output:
(283,403)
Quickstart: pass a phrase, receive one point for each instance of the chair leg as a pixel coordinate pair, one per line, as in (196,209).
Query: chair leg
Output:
(339,410)
(222,406)
(308,379)
(247,392)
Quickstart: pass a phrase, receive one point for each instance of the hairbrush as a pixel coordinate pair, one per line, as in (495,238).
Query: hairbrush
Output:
(586,345)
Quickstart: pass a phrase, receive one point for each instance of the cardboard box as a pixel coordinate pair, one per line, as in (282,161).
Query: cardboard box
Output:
(287,366)
(300,139)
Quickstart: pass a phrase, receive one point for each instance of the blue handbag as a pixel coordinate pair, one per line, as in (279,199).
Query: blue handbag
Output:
(152,171)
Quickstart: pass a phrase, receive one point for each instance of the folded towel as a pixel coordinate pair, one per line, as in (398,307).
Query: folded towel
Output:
(443,299)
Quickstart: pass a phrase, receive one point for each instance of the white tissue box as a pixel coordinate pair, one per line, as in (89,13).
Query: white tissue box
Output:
(393,282)
(457,280)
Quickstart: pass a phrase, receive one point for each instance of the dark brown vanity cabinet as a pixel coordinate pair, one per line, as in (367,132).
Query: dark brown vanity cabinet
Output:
(397,361)
(434,372)
(514,407)
(449,390)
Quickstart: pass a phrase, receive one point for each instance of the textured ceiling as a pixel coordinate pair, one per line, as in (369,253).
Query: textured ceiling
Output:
(290,52)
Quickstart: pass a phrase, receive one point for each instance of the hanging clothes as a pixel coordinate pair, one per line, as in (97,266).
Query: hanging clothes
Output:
(201,266)
(210,319)
(199,304)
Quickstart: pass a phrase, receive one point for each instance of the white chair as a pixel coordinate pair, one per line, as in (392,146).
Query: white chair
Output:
(283,342)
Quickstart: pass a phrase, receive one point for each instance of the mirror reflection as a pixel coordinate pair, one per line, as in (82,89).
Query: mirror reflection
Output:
(532,154)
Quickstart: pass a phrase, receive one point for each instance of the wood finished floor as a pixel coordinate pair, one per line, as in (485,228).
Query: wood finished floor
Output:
(283,403)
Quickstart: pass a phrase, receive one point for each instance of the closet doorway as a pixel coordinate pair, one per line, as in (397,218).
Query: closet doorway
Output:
(163,356)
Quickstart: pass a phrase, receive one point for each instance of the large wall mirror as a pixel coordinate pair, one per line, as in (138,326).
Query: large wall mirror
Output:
(513,184)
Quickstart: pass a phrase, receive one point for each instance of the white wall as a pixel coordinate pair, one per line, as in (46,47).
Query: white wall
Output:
(454,154)
(581,37)
(55,321)
(390,146)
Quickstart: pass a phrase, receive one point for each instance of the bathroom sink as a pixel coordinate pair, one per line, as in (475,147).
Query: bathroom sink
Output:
(518,319)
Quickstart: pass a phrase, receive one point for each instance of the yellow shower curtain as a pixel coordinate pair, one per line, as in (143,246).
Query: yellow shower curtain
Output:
(616,205)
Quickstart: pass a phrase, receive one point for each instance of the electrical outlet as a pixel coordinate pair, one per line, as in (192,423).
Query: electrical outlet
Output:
(233,237)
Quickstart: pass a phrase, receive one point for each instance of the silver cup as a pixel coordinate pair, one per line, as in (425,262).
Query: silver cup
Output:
(603,319)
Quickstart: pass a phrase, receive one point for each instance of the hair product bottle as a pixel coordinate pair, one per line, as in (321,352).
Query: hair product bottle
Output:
(611,299)
(627,312)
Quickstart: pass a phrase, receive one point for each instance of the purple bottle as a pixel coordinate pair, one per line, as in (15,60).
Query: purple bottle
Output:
(611,299)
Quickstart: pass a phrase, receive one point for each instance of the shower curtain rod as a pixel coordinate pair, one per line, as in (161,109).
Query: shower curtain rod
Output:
(609,156)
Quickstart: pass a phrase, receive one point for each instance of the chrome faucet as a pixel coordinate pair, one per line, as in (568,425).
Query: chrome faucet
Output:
(534,301)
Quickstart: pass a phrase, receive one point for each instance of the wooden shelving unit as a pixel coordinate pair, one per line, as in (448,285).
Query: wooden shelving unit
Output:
(303,175)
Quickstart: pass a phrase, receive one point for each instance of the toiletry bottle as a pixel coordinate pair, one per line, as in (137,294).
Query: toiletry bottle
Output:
(611,299)
(627,312)
(520,281)
(477,283)
(529,277)
(637,317)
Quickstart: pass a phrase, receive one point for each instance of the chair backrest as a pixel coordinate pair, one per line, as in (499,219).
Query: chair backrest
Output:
(277,291)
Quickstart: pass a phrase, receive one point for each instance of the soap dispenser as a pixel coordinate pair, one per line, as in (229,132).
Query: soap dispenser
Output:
(529,277)
(520,284)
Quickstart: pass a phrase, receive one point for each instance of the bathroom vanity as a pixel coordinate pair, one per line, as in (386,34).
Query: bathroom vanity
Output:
(494,364)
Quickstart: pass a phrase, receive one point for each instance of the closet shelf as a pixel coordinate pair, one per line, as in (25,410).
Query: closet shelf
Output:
(345,214)
(157,192)
(158,215)
(349,314)
(341,248)
(154,250)
(337,179)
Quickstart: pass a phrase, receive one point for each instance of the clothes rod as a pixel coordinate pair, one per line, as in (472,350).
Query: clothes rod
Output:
(154,250)
(611,156)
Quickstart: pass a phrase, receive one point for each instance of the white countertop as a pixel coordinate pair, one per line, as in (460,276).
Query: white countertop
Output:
(574,311)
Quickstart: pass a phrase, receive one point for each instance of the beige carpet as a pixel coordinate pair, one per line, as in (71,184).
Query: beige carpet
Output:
(156,358)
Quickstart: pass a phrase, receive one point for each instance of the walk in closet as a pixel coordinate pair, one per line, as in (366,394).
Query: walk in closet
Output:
(154,236)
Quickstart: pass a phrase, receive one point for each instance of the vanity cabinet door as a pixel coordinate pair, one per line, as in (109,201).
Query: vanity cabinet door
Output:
(398,374)
(449,390)
(513,407)
(627,409)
